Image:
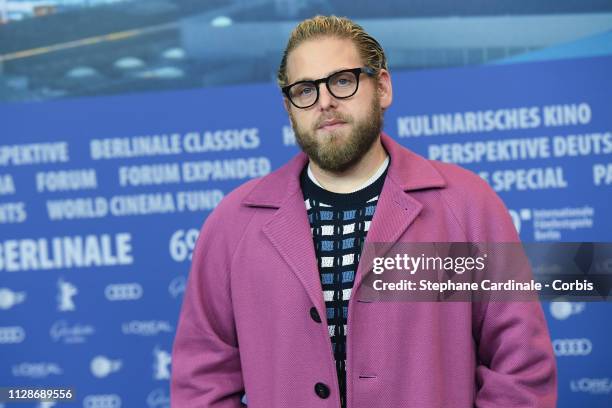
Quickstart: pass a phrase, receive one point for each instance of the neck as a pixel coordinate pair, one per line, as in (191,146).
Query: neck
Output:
(350,179)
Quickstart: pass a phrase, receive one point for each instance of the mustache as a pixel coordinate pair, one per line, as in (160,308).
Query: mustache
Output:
(335,116)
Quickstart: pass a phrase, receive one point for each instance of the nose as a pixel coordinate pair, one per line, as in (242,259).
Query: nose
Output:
(326,99)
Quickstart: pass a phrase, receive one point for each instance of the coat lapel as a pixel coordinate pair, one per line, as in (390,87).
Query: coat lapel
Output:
(395,211)
(289,232)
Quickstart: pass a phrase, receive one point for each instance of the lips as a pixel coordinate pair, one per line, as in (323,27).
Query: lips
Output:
(331,124)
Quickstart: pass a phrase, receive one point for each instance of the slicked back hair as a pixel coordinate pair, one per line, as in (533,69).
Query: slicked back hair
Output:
(371,52)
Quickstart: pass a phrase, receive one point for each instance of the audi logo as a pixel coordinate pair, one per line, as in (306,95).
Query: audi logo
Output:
(11,334)
(102,401)
(123,291)
(572,347)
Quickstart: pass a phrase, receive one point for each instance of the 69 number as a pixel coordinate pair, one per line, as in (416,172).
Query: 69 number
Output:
(182,243)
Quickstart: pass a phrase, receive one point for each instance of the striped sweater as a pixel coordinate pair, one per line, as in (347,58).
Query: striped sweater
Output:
(339,225)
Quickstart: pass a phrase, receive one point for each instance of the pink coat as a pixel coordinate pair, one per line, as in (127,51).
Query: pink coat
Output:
(246,325)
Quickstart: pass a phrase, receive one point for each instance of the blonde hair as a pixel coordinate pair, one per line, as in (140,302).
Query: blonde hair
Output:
(371,52)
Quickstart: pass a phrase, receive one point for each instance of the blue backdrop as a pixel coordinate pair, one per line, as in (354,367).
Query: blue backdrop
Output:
(101,200)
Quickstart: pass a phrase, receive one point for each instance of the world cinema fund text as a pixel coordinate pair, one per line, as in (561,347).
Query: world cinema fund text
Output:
(466,279)
(70,207)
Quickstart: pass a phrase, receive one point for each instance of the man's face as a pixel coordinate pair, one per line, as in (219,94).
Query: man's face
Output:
(334,133)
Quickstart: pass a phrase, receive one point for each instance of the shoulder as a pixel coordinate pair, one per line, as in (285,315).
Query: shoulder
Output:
(237,209)
(224,227)
(231,209)
(461,182)
(481,212)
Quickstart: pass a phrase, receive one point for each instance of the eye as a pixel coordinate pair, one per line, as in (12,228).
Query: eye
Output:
(344,80)
(303,90)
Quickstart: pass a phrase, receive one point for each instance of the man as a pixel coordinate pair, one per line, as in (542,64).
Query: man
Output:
(272,314)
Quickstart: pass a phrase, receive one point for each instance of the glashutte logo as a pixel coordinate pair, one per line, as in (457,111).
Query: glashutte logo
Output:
(177,286)
(61,331)
(158,399)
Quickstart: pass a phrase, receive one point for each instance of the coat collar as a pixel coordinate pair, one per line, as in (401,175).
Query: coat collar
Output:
(407,169)
(289,230)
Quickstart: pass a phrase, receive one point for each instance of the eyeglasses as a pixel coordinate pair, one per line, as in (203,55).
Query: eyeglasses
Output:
(342,84)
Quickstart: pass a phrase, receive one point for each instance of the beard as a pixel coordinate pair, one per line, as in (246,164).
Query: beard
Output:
(335,151)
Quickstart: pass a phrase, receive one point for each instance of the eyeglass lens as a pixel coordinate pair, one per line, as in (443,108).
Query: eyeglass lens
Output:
(340,85)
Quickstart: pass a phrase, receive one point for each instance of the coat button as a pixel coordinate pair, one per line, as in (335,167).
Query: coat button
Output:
(315,315)
(321,390)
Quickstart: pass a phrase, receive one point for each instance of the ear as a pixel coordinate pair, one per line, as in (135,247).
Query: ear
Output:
(287,104)
(385,90)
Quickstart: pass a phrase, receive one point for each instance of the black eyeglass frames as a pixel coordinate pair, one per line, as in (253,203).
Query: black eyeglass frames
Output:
(342,84)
